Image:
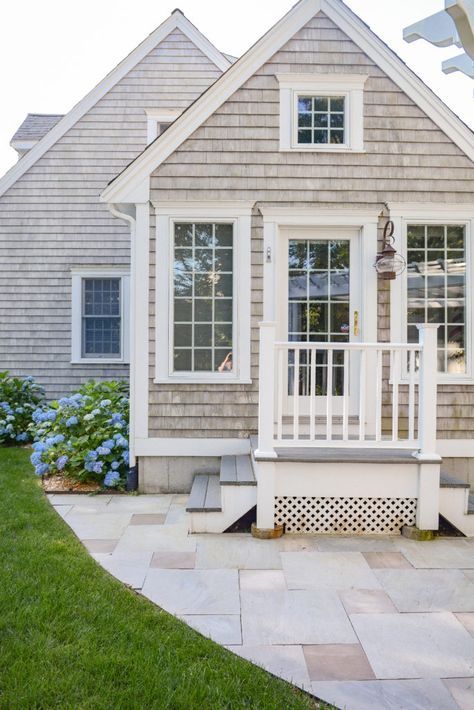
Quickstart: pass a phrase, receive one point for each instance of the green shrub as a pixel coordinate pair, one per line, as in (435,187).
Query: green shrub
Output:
(85,436)
(19,398)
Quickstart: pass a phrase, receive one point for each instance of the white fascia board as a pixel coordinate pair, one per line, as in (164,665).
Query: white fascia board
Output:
(211,100)
(176,21)
(250,62)
(396,70)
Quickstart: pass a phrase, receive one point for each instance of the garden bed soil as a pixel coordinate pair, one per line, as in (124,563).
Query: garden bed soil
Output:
(60,484)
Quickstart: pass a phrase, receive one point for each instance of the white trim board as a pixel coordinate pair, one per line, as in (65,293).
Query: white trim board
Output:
(455,448)
(191,447)
(175,21)
(119,189)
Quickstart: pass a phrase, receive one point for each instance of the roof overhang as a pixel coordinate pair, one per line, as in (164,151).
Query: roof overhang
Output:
(121,188)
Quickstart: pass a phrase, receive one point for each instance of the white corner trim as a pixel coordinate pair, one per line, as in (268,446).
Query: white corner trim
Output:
(239,214)
(255,57)
(191,447)
(176,21)
(77,274)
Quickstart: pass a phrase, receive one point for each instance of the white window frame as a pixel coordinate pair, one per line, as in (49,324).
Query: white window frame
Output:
(402,216)
(77,276)
(350,86)
(156,116)
(239,214)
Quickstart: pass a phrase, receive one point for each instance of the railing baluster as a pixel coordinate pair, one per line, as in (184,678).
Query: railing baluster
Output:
(345,398)
(312,394)
(329,396)
(362,386)
(394,361)
(378,396)
(411,396)
(282,355)
(296,396)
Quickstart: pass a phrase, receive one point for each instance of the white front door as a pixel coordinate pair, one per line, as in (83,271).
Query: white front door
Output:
(319,296)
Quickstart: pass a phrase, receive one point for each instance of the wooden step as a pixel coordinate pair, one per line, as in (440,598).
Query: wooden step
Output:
(447,480)
(470,505)
(205,496)
(237,471)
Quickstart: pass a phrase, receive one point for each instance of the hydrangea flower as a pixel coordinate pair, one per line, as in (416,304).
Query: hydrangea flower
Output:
(35,458)
(108,443)
(41,469)
(115,465)
(103,451)
(126,457)
(61,462)
(71,421)
(23,436)
(111,479)
(88,417)
(98,466)
(105,403)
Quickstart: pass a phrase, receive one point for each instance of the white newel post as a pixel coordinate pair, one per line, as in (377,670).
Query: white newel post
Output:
(266,391)
(427,513)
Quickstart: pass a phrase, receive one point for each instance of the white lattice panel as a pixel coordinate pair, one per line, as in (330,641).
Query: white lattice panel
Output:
(358,516)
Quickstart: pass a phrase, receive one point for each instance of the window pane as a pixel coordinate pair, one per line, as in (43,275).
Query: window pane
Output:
(325,115)
(436,289)
(101,318)
(203,297)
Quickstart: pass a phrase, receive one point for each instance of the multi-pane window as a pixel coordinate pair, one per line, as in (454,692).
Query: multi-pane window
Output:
(101,318)
(318,304)
(321,120)
(203,297)
(436,282)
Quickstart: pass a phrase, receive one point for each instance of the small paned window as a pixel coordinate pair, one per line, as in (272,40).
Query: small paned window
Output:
(203,297)
(436,289)
(321,120)
(101,318)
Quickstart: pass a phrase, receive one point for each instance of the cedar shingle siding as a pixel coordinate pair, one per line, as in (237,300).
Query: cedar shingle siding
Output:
(51,218)
(235,155)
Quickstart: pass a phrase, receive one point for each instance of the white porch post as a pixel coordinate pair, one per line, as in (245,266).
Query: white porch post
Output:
(266,391)
(427,511)
(427,392)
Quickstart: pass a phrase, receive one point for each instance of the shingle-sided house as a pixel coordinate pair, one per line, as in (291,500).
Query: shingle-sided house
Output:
(271,363)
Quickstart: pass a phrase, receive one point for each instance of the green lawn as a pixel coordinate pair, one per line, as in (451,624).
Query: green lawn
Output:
(73,637)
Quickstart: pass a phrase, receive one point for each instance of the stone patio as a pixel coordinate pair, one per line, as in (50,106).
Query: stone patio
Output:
(360,622)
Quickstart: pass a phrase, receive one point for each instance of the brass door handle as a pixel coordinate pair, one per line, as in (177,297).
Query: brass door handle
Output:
(356,322)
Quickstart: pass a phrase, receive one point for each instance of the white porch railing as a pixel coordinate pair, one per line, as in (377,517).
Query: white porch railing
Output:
(347,394)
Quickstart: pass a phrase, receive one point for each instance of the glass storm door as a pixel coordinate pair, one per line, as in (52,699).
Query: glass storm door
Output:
(322,305)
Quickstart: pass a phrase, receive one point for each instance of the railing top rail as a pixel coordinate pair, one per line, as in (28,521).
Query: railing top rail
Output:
(321,345)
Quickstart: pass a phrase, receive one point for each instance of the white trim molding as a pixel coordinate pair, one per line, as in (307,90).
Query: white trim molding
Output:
(77,276)
(119,189)
(403,214)
(239,214)
(191,447)
(156,116)
(175,21)
(350,86)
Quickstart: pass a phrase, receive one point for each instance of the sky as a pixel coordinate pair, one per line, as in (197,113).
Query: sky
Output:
(54,52)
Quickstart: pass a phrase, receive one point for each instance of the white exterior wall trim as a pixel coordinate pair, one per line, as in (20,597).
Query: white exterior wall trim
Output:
(191,447)
(176,21)
(239,213)
(255,57)
(426,213)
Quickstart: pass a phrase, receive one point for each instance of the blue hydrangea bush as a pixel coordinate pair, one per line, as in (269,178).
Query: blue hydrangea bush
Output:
(19,398)
(84,437)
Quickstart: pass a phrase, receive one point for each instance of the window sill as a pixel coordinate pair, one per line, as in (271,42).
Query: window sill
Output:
(325,149)
(201,380)
(100,361)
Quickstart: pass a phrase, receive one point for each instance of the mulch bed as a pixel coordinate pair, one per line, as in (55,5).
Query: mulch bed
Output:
(60,484)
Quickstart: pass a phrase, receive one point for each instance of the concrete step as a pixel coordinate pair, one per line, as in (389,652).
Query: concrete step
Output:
(237,471)
(205,496)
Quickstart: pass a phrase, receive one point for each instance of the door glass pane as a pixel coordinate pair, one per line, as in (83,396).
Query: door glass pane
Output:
(436,289)
(318,307)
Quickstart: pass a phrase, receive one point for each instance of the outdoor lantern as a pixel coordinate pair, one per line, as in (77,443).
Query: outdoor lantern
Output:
(388,263)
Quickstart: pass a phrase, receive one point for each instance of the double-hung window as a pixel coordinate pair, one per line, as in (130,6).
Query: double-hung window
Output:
(100,316)
(203,282)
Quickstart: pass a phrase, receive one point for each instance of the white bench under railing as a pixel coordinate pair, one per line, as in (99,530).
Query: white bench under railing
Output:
(292,413)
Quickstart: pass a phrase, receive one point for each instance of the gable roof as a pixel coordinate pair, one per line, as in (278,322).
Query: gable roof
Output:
(176,20)
(35,126)
(128,182)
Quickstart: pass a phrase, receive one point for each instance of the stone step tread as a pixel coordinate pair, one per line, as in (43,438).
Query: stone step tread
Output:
(447,480)
(205,496)
(470,505)
(237,471)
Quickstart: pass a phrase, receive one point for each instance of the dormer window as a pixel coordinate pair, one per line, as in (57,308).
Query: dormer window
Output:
(321,112)
(158,120)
